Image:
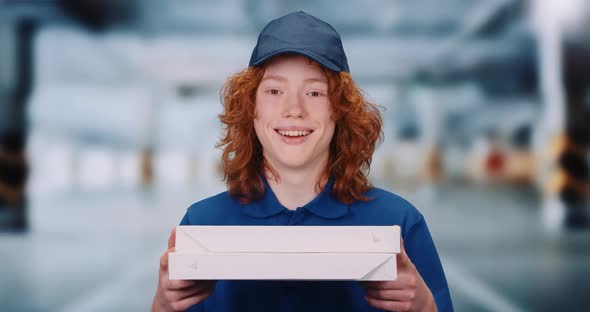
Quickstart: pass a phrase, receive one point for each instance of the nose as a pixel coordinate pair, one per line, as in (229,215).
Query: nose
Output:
(294,107)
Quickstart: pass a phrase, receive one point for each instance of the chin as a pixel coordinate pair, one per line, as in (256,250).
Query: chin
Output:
(293,163)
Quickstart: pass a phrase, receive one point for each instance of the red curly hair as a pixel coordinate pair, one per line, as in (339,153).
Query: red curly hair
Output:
(358,130)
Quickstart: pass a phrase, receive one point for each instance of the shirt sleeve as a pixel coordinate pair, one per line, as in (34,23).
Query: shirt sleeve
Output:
(185,220)
(422,252)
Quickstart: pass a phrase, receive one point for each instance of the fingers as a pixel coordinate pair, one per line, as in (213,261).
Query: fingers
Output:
(188,302)
(389,305)
(406,293)
(391,294)
(181,295)
(183,299)
(171,246)
(178,284)
(405,280)
(172,239)
(193,290)
(164,261)
(403,260)
(385,285)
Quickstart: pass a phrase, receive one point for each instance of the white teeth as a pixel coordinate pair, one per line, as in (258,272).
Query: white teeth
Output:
(294,133)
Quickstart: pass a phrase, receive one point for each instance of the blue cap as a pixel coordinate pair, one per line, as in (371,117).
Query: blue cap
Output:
(304,34)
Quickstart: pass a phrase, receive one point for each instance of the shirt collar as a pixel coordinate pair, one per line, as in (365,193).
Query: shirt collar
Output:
(324,205)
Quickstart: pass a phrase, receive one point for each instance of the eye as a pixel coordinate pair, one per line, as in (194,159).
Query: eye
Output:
(274,91)
(314,93)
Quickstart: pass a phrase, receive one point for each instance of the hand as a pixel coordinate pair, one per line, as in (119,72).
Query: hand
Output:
(407,293)
(178,295)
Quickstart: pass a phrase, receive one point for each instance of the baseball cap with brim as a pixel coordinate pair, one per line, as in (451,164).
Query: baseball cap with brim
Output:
(301,33)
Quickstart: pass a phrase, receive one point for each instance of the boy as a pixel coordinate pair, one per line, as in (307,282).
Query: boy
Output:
(299,137)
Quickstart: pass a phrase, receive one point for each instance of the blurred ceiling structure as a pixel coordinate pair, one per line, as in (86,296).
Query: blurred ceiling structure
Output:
(426,39)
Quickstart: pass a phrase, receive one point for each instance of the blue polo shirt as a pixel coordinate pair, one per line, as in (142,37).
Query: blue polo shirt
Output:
(385,208)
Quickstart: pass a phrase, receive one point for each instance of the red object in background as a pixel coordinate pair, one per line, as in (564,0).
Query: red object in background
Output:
(495,162)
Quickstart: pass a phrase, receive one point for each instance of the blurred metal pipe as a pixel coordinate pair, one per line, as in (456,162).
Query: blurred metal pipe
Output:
(472,23)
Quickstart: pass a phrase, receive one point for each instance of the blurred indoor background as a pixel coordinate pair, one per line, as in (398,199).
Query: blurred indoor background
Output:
(108,121)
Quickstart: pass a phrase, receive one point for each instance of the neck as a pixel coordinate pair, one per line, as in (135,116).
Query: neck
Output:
(295,188)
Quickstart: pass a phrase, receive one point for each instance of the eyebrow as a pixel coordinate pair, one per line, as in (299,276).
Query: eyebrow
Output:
(283,79)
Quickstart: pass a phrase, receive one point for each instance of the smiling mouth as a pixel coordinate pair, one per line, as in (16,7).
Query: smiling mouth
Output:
(294,133)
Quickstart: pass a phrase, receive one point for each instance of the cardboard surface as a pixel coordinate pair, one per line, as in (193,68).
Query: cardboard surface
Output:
(371,239)
(285,252)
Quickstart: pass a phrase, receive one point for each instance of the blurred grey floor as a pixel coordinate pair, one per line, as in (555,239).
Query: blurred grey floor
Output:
(99,251)
(497,254)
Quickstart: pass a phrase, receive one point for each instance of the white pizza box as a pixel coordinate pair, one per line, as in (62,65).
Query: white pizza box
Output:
(285,253)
